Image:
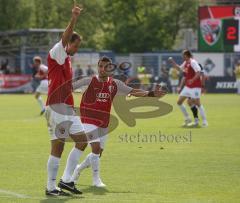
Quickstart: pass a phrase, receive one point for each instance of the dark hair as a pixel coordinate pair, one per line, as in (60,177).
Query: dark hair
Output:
(75,36)
(187,53)
(37,59)
(105,59)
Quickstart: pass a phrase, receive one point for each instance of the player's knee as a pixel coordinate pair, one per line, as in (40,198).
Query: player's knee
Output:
(57,151)
(179,102)
(96,149)
(81,146)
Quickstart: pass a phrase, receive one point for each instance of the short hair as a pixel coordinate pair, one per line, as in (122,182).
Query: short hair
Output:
(37,59)
(187,53)
(104,59)
(75,36)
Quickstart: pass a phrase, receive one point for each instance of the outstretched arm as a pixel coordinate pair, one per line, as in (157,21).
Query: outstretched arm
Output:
(69,30)
(142,93)
(123,89)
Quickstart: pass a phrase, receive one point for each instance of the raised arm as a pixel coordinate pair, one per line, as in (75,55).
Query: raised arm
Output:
(69,30)
(174,64)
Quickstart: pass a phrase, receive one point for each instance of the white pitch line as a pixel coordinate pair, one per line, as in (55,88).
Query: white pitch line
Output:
(13,194)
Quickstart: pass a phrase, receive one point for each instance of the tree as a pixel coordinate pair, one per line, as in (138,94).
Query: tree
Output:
(15,14)
(146,25)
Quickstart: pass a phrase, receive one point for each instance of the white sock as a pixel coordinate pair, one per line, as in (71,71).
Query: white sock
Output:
(40,102)
(72,161)
(95,162)
(184,111)
(52,169)
(85,164)
(202,113)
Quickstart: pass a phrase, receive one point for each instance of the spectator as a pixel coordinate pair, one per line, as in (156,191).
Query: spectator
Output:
(78,74)
(90,71)
(144,77)
(174,79)
(165,75)
(237,74)
(4,67)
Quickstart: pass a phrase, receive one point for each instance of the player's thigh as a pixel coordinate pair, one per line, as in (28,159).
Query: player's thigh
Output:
(80,140)
(181,99)
(63,122)
(96,147)
(43,87)
(78,134)
(190,101)
(103,137)
(195,95)
(76,129)
(197,102)
(186,92)
(37,94)
(99,143)
(57,147)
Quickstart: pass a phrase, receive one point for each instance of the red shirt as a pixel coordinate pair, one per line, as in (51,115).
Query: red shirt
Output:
(190,68)
(59,76)
(97,100)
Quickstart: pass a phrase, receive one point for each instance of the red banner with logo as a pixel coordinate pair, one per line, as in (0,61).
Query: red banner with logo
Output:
(14,82)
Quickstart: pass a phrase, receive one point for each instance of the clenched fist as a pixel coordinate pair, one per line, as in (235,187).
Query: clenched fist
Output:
(76,11)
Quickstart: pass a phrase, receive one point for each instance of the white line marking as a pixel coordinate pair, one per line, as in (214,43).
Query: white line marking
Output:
(13,194)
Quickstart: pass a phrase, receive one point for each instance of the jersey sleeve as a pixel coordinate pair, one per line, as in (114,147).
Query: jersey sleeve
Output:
(195,66)
(43,68)
(122,88)
(81,83)
(58,53)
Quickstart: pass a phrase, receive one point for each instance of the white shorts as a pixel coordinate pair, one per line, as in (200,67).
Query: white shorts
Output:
(43,87)
(96,134)
(193,93)
(174,82)
(61,126)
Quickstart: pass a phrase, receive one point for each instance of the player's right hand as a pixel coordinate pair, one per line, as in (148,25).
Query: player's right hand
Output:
(76,11)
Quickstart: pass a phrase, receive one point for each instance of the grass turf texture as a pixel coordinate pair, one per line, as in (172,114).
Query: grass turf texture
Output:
(205,170)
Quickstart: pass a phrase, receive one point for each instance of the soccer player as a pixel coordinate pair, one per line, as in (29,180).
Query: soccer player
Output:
(237,74)
(191,104)
(60,110)
(95,110)
(41,75)
(192,88)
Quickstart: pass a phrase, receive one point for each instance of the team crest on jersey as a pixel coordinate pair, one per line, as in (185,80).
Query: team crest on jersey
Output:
(111,88)
(211,30)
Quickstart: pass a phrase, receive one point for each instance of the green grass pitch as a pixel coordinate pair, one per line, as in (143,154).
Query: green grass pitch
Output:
(207,169)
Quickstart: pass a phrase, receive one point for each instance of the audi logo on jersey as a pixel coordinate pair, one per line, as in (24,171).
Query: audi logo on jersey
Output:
(103,95)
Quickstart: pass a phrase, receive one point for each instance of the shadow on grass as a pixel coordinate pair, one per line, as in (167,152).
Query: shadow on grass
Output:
(61,199)
(101,191)
(95,190)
